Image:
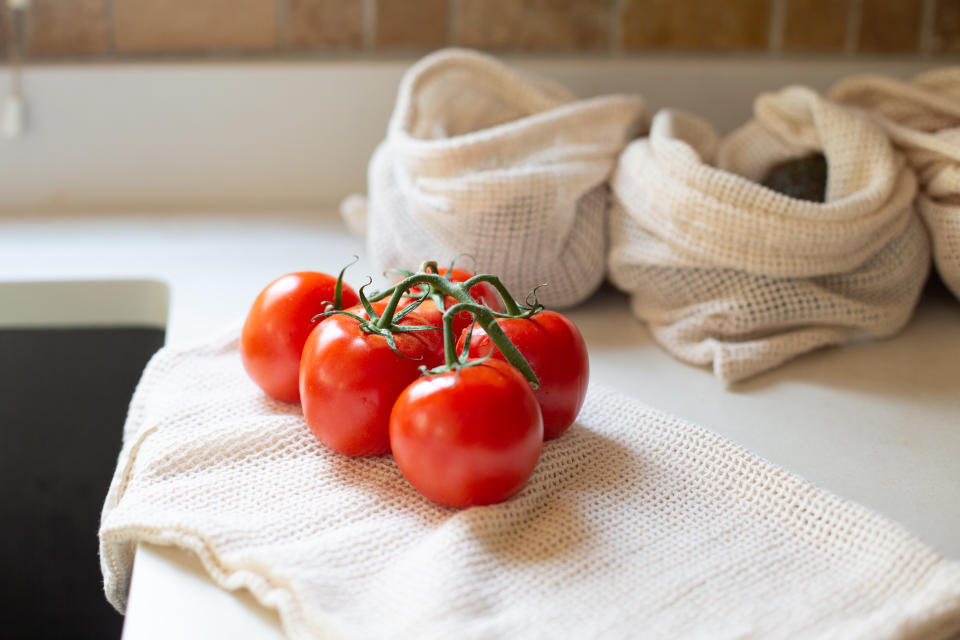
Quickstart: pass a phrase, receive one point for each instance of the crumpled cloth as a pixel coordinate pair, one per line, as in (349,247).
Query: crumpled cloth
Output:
(729,273)
(508,169)
(922,117)
(634,524)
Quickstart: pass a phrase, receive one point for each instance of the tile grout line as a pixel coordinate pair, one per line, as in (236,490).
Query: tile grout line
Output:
(369,23)
(282,31)
(615,28)
(453,12)
(852,37)
(927,39)
(110,27)
(24,25)
(777,26)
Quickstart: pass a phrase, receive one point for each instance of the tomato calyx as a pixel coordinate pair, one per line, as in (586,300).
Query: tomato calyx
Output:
(443,286)
(487,319)
(460,291)
(337,303)
(428,283)
(338,288)
(384,324)
(420,293)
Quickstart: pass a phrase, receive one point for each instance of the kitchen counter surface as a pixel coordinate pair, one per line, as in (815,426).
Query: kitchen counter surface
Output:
(877,422)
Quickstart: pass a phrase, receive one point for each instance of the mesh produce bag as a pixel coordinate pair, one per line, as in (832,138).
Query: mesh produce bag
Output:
(728,272)
(922,118)
(634,524)
(510,170)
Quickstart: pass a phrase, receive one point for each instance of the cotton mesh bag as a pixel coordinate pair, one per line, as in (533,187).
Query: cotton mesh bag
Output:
(634,525)
(922,118)
(729,273)
(510,170)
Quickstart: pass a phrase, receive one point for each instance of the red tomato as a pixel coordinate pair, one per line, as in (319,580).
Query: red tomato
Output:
(555,350)
(484,293)
(277,326)
(467,438)
(349,380)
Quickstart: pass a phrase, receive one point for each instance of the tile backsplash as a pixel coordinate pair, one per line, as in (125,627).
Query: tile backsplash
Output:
(118,29)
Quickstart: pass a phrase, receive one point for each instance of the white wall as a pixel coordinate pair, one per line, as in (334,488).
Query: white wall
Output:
(294,135)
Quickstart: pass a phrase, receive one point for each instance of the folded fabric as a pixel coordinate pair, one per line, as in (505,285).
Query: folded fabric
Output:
(510,170)
(634,524)
(922,118)
(731,273)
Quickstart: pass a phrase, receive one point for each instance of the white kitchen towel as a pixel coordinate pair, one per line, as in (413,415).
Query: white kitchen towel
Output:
(508,169)
(922,118)
(634,524)
(728,272)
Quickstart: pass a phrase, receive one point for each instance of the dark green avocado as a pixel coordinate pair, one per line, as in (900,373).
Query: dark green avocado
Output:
(802,178)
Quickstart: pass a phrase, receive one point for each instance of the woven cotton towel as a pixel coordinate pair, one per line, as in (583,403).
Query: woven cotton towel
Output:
(922,118)
(728,272)
(635,524)
(508,169)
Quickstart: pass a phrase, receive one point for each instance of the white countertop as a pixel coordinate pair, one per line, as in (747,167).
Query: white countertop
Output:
(878,423)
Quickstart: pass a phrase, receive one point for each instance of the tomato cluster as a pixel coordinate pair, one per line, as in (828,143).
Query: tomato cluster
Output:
(444,369)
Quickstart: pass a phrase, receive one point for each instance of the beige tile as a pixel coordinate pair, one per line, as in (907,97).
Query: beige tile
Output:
(326,23)
(695,24)
(411,23)
(532,24)
(947,26)
(67,27)
(149,26)
(890,26)
(815,25)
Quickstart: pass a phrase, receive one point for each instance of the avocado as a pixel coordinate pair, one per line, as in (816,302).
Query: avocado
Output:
(802,178)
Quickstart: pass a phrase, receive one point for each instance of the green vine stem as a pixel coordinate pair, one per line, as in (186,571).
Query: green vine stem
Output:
(513,309)
(437,282)
(488,321)
(439,285)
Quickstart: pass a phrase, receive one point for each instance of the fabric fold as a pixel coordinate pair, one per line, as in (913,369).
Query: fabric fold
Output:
(729,273)
(634,522)
(507,169)
(922,118)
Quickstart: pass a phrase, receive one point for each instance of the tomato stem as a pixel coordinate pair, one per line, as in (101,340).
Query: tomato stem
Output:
(450,354)
(429,266)
(386,318)
(513,309)
(488,322)
(441,286)
(437,282)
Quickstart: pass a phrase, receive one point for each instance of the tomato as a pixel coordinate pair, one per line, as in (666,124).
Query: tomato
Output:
(277,327)
(349,379)
(467,437)
(555,350)
(483,292)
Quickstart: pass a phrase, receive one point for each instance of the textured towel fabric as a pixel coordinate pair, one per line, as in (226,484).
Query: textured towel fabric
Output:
(635,524)
(728,272)
(507,169)
(922,118)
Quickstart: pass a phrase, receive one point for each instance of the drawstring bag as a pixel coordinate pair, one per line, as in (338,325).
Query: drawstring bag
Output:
(508,170)
(922,118)
(731,273)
